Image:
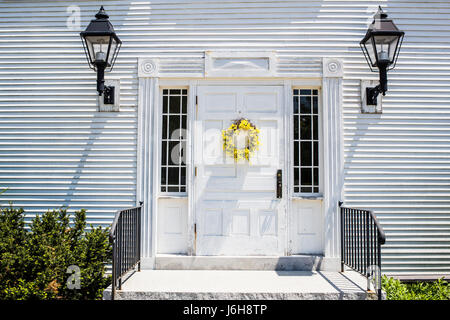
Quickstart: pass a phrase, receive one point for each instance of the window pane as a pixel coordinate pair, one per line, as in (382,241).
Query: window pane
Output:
(305,104)
(305,92)
(174,156)
(316,176)
(184,104)
(163,176)
(305,127)
(165,104)
(164,153)
(316,105)
(174,104)
(174,176)
(164,127)
(184,124)
(296,176)
(315,127)
(306,176)
(306,154)
(295,104)
(296,127)
(174,126)
(316,154)
(183,176)
(183,153)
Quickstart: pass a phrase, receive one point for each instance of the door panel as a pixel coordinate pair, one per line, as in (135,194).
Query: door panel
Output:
(306,227)
(237,212)
(172,226)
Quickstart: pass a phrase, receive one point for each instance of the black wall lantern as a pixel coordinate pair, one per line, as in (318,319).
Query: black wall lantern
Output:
(381,46)
(101,45)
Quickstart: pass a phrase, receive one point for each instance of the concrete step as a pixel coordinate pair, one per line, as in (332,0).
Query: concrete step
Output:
(286,263)
(242,285)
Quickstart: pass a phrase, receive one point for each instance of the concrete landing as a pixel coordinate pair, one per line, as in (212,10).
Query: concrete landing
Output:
(242,285)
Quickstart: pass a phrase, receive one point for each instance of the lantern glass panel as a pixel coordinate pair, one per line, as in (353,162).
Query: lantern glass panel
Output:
(386,46)
(97,47)
(112,51)
(370,52)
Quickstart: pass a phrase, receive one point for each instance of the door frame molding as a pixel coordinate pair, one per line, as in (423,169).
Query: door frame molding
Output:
(330,81)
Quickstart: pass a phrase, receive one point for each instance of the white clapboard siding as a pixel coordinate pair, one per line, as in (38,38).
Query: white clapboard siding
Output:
(57,150)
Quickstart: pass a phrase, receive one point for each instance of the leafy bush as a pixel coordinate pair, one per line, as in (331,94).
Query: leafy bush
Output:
(34,261)
(396,290)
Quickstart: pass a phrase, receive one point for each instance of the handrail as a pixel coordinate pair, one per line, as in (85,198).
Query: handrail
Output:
(116,218)
(361,240)
(381,234)
(125,236)
(375,220)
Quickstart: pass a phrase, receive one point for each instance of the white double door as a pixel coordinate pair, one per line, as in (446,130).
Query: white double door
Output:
(237,210)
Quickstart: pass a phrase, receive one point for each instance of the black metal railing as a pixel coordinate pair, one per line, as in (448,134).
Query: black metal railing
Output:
(125,236)
(361,240)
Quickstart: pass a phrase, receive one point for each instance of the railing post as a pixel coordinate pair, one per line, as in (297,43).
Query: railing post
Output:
(342,237)
(114,271)
(379,266)
(367,228)
(139,230)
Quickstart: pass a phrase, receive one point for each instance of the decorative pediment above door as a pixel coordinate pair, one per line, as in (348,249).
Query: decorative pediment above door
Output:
(224,64)
(237,64)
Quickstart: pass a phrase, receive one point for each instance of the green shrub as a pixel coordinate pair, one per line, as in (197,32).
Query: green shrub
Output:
(396,290)
(34,262)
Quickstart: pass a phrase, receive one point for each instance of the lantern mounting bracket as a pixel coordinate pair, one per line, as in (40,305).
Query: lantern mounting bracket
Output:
(109,95)
(372,95)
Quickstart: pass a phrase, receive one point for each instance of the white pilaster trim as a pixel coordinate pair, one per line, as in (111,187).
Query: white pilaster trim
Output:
(148,98)
(288,171)
(192,93)
(333,153)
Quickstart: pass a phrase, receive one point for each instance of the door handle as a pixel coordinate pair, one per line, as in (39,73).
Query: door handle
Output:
(279,184)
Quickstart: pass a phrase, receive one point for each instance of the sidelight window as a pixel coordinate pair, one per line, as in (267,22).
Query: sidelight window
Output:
(173,140)
(306,140)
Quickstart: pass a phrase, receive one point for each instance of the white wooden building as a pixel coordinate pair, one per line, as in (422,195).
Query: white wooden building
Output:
(217,61)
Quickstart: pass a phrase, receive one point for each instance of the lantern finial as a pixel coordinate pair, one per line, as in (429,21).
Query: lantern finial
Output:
(101,14)
(380,14)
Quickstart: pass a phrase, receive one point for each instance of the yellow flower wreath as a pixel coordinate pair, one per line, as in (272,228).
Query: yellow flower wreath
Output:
(229,142)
